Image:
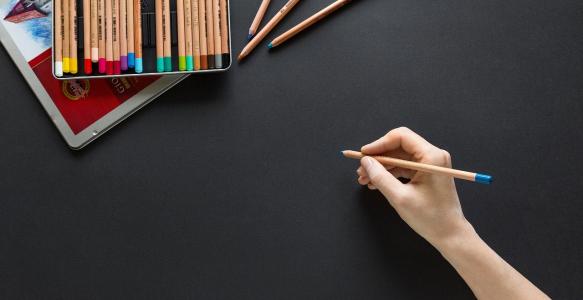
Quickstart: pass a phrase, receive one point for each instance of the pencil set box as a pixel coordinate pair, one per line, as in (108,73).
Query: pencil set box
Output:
(118,38)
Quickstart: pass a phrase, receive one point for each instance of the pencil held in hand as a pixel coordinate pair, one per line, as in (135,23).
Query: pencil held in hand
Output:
(425,168)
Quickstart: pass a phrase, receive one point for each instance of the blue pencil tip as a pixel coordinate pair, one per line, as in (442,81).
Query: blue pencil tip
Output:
(270,46)
(485,179)
(249,37)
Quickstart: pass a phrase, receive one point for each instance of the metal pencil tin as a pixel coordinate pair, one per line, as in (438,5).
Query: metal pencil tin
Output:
(148,45)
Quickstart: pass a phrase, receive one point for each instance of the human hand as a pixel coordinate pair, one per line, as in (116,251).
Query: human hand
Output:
(428,203)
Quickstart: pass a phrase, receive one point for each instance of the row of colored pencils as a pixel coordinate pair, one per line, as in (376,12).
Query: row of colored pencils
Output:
(203,37)
(112,36)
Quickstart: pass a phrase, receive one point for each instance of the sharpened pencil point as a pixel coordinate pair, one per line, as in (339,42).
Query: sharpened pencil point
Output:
(270,46)
(250,36)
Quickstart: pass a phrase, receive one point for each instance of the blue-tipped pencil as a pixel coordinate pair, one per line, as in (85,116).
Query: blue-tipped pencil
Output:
(405,164)
(258,18)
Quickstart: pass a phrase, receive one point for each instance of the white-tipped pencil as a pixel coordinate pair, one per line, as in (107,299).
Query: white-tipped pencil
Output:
(73,66)
(94,40)
(58,36)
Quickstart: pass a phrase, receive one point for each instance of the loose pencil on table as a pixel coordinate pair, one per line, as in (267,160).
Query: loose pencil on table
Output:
(425,168)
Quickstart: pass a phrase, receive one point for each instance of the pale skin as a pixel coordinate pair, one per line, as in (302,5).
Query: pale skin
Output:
(430,205)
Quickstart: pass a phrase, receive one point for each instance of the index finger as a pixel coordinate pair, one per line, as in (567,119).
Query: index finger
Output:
(400,138)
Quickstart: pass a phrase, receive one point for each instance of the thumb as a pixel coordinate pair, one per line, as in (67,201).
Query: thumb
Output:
(381,178)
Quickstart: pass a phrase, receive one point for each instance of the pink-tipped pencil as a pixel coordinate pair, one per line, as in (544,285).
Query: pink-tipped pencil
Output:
(116,37)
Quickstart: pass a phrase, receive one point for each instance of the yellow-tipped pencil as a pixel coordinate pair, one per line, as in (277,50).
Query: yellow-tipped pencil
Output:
(73,67)
(66,35)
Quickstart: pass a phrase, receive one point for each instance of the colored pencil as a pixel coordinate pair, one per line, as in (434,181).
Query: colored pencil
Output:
(181,38)
(108,37)
(217,33)
(188,34)
(73,38)
(224,33)
(58,36)
(258,18)
(138,36)
(307,23)
(159,37)
(66,36)
(101,35)
(425,168)
(94,42)
(167,36)
(123,35)
(210,34)
(195,34)
(130,33)
(203,34)
(268,27)
(87,37)
(115,31)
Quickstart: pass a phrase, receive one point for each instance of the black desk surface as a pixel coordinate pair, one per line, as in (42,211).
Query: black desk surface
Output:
(231,186)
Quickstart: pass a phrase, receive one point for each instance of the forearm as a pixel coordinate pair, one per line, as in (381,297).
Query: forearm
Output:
(485,272)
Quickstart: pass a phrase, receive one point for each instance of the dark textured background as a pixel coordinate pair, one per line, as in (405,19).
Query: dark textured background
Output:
(231,186)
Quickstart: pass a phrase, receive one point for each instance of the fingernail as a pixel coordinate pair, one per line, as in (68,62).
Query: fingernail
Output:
(366,162)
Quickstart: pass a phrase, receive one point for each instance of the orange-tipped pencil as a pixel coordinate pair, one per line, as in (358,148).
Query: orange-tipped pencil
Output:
(258,18)
(307,23)
(425,168)
(268,27)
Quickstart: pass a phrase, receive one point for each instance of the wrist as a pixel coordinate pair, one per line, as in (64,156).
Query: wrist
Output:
(464,235)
